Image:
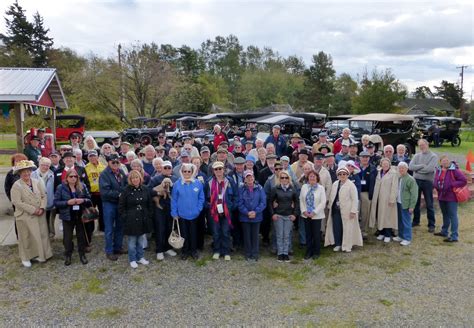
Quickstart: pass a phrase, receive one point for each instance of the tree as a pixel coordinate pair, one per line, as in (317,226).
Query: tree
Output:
(345,89)
(41,42)
(319,84)
(423,92)
(451,92)
(19,30)
(295,65)
(378,93)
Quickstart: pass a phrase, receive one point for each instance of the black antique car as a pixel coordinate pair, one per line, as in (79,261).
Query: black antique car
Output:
(146,130)
(449,128)
(394,129)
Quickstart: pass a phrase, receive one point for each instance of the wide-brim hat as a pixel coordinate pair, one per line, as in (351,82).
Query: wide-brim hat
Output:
(343,169)
(24,165)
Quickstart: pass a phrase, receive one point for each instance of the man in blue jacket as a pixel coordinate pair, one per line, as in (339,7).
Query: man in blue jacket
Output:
(111,183)
(277,140)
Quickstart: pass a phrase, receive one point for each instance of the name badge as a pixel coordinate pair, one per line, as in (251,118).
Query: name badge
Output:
(220,209)
(76,207)
(363,182)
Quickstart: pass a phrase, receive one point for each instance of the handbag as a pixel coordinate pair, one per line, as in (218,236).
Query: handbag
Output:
(462,194)
(175,239)
(89,214)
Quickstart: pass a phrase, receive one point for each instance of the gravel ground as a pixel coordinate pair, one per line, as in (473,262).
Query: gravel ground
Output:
(428,284)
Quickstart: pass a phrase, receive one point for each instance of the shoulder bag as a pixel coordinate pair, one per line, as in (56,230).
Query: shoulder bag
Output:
(175,239)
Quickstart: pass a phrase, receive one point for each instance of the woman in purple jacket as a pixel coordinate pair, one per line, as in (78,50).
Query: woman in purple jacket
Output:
(252,202)
(447,177)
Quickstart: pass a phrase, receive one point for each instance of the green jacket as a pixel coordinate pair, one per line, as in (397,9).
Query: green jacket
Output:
(32,153)
(408,191)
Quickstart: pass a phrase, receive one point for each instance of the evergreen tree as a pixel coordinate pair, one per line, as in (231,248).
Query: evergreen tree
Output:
(319,84)
(19,30)
(41,42)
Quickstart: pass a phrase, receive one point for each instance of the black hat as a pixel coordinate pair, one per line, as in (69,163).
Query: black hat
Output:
(35,138)
(68,154)
(41,130)
(324,147)
(370,145)
(304,152)
(318,155)
(112,157)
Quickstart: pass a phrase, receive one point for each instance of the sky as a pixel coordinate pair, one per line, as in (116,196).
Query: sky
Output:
(421,41)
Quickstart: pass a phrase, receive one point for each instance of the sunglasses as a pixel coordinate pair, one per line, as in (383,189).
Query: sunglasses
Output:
(73,176)
(218,169)
(167,168)
(142,155)
(115,162)
(284,178)
(187,171)
(278,169)
(161,137)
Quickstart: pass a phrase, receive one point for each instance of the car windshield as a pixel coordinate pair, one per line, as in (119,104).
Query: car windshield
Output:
(361,127)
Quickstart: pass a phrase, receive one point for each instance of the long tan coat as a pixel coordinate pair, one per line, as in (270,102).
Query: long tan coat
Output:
(349,203)
(33,236)
(385,192)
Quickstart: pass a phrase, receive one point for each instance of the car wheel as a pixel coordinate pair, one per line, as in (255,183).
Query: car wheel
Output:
(146,140)
(456,142)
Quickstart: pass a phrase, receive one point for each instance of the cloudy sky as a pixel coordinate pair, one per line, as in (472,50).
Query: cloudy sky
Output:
(422,41)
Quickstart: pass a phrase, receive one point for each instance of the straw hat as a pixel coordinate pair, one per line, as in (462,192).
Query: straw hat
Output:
(23,165)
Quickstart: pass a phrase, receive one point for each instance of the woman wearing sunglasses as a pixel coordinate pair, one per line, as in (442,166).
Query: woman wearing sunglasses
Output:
(343,226)
(70,199)
(284,207)
(187,201)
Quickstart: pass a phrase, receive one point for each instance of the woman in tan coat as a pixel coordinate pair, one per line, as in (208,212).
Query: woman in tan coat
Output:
(383,211)
(343,226)
(29,198)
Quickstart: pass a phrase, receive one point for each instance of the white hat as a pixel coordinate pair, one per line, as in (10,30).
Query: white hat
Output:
(23,165)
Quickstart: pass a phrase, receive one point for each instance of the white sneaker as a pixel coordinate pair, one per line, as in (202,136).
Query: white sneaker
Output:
(386,240)
(397,239)
(26,264)
(227,258)
(215,256)
(347,250)
(134,265)
(405,242)
(160,256)
(170,252)
(380,237)
(337,249)
(143,261)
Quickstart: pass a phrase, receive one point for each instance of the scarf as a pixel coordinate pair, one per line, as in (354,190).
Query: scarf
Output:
(310,198)
(216,189)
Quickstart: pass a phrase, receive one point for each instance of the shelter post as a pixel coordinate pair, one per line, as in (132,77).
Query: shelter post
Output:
(19,118)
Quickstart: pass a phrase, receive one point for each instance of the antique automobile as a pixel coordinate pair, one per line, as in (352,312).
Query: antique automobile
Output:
(313,124)
(102,137)
(394,129)
(146,130)
(66,125)
(288,124)
(449,128)
(335,124)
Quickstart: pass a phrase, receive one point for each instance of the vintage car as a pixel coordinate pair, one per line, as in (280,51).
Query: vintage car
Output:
(66,125)
(288,124)
(102,137)
(449,128)
(146,130)
(394,129)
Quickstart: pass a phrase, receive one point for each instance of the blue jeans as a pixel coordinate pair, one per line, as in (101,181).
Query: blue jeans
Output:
(221,236)
(113,228)
(135,247)
(425,187)
(404,223)
(283,226)
(450,217)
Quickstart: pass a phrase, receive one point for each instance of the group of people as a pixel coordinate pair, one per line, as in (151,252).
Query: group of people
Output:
(330,194)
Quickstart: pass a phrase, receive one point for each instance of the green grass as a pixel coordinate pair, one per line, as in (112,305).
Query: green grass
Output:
(386,302)
(5,160)
(107,313)
(7,144)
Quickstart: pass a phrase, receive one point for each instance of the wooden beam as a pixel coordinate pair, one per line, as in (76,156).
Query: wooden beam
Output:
(52,125)
(19,116)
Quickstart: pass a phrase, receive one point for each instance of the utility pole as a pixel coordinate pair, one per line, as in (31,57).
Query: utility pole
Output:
(462,67)
(122,83)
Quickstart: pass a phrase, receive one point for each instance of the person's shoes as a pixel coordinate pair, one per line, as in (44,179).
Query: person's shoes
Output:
(315,257)
(380,237)
(171,252)
(26,264)
(112,257)
(415,224)
(337,249)
(450,240)
(405,242)
(67,261)
(307,257)
(440,234)
(134,265)
(120,252)
(184,257)
(227,258)
(160,256)
(280,258)
(347,250)
(290,253)
(88,249)
(83,259)
(397,239)
(143,261)
(386,239)
(431,229)
(215,256)
(37,259)
(195,256)
(286,258)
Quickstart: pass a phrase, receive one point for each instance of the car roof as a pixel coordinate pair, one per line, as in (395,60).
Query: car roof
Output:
(382,117)
(443,118)
(278,119)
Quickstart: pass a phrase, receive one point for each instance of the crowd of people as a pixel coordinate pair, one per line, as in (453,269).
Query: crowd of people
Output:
(242,192)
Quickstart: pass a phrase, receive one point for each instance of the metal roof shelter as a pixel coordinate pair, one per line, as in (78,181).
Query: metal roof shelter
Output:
(25,88)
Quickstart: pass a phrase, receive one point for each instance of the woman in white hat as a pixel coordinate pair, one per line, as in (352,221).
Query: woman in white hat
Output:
(30,201)
(343,229)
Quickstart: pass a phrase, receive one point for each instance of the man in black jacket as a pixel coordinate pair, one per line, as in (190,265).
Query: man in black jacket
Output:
(69,161)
